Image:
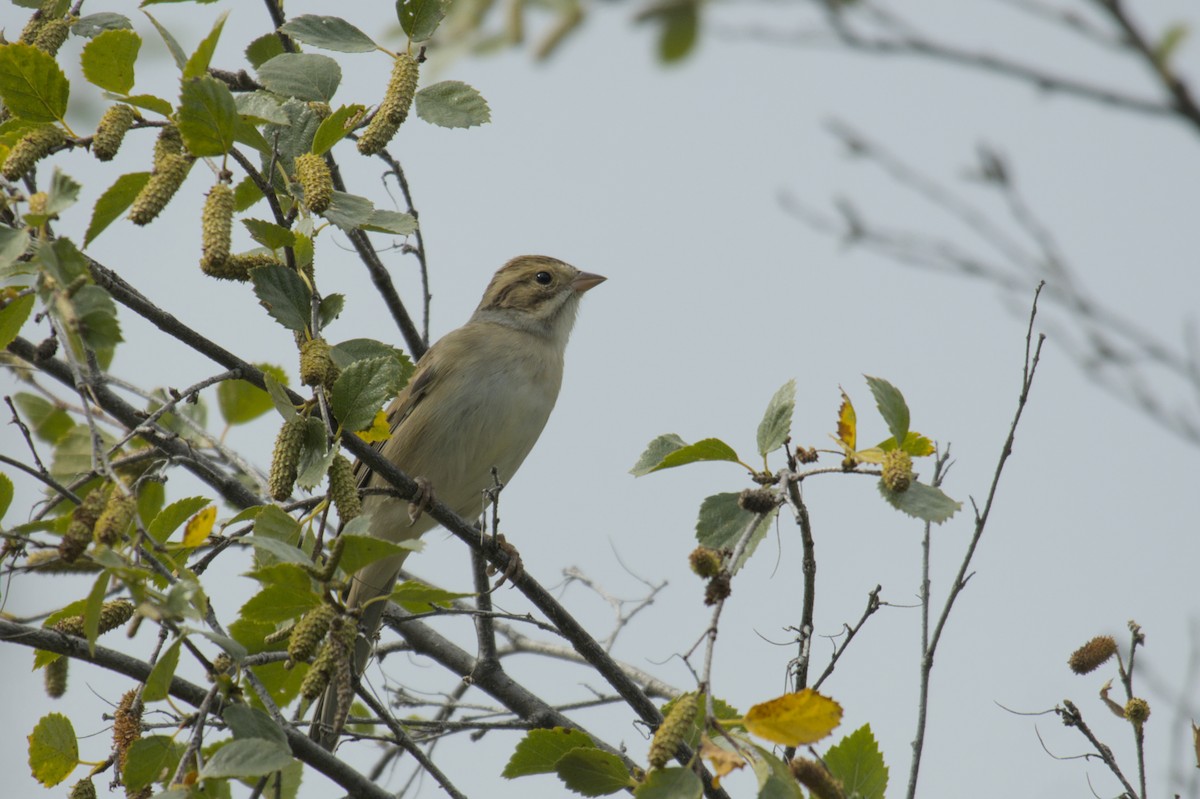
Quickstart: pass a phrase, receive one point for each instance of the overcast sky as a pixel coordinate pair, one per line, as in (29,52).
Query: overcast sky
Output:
(668,181)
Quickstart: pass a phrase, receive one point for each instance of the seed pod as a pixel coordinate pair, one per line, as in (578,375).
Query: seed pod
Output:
(288,445)
(168,143)
(83,522)
(897,470)
(308,634)
(50,561)
(116,518)
(675,726)
(319,673)
(31,148)
(1137,710)
(343,488)
(316,364)
(1092,655)
(718,588)
(758,500)
(316,180)
(127,725)
(56,677)
(30,32)
(168,176)
(401,89)
(216,227)
(705,562)
(111,131)
(84,789)
(51,36)
(812,775)
(238,266)
(112,615)
(320,110)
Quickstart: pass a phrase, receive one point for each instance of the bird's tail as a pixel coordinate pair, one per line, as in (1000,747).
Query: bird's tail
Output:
(368,594)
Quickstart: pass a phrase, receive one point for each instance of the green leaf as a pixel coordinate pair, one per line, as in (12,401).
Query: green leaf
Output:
(420,18)
(540,750)
(263,49)
(656,451)
(284,294)
(349,211)
(921,501)
(250,722)
(858,763)
(361,349)
(452,104)
(335,127)
(48,422)
(1174,36)
(169,518)
(97,315)
(91,610)
(14,243)
(169,40)
(400,224)
(892,406)
(247,757)
(362,550)
(6,493)
(776,423)
(329,33)
(722,523)
(148,101)
(287,593)
(53,749)
(316,455)
(32,85)
(305,76)
(240,401)
(593,772)
(675,782)
(62,194)
(108,60)
(246,194)
(92,25)
(915,444)
(261,105)
(775,780)
(330,308)
(680,29)
(268,234)
(279,397)
(361,389)
(294,138)
(418,597)
(271,550)
(207,116)
(151,496)
(13,316)
(114,202)
(158,684)
(197,65)
(710,449)
(151,759)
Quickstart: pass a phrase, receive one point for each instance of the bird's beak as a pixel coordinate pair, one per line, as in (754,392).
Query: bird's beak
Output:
(586,280)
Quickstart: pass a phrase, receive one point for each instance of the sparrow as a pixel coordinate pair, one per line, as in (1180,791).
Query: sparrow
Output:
(477,400)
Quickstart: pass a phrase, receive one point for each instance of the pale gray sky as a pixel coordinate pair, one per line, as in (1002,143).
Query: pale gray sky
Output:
(667,181)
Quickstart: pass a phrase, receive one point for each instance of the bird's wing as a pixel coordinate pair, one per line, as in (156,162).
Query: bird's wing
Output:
(409,398)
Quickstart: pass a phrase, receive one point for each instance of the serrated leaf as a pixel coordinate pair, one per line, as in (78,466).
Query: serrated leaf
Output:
(169,518)
(199,526)
(330,309)
(708,449)
(922,502)
(151,497)
(417,597)
(207,116)
(540,750)
(282,600)
(91,25)
(169,40)
(114,202)
(674,782)
(401,224)
(329,33)
(147,101)
(108,60)
(776,423)
(97,317)
(61,195)
(150,759)
(379,430)
(775,780)
(794,719)
(335,127)
(722,523)
(452,104)
(263,49)
(349,211)
(246,193)
(268,234)
(315,455)
(656,451)
(197,65)
(53,749)
(158,684)
(32,85)
(247,757)
(14,243)
(240,401)
(91,611)
(305,76)
(892,406)
(275,548)
(420,18)
(13,316)
(6,493)
(261,105)
(284,294)
(279,397)
(847,425)
(361,349)
(48,422)
(250,722)
(362,550)
(915,444)
(362,388)
(593,772)
(857,762)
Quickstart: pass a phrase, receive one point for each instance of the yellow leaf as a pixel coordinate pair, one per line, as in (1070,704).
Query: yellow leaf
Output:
(794,719)
(872,455)
(1118,710)
(847,426)
(723,761)
(378,431)
(199,526)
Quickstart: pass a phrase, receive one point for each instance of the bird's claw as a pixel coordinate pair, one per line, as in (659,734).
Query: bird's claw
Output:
(514,567)
(422,501)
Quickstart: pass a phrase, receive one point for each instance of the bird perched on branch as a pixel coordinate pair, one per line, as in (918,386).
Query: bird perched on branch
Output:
(478,399)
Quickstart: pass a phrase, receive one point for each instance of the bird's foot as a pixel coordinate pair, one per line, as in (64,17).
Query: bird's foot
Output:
(514,567)
(423,500)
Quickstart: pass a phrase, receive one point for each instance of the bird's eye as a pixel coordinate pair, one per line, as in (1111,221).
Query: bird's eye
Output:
(544,278)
